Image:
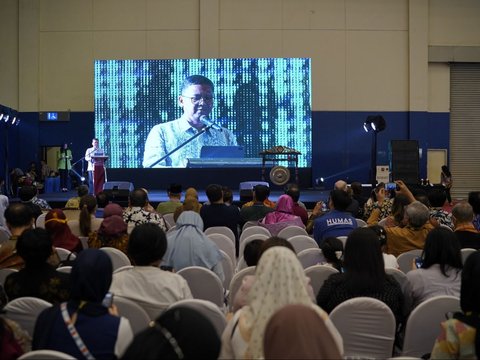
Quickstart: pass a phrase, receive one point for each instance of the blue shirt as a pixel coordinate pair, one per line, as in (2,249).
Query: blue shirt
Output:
(165,137)
(334,223)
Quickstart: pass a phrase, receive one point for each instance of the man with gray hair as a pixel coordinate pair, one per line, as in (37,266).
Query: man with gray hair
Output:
(462,216)
(413,235)
(354,206)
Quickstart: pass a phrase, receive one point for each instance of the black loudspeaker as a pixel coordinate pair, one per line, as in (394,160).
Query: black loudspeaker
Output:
(404,161)
(118,191)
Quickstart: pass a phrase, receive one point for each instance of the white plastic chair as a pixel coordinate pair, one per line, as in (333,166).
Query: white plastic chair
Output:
(135,314)
(224,244)
(46,355)
(423,324)
(398,275)
(4,273)
(249,224)
(206,308)
(221,230)
(118,258)
(227,269)
(302,242)
(343,239)
(236,283)
(405,260)
(204,284)
(123,268)
(310,257)
(361,223)
(25,310)
(169,219)
(249,239)
(291,231)
(253,230)
(367,326)
(318,274)
(241,264)
(466,252)
(65,254)
(84,241)
(65,269)
(40,222)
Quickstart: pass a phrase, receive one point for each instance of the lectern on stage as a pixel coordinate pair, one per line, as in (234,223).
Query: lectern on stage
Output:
(99,173)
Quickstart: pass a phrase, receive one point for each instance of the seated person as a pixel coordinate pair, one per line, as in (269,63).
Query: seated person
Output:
(113,231)
(74,202)
(146,284)
(465,231)
(332,250)
(281,217)
(58,229)
(38,278)
(174,193)
(258,209)
(438,216)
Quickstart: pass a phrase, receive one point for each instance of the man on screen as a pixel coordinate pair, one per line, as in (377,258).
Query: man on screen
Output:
(196,99)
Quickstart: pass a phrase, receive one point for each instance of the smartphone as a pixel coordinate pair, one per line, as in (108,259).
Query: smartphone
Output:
(418,262)
(391,186)
(108,300)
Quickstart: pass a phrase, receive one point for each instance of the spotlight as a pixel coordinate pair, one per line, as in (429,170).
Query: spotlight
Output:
(82,178)
(14,120)
(6,117)
(375,123)
(1,116)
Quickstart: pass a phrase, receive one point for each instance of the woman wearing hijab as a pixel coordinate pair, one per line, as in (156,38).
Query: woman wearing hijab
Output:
(83,327)
(279,281)
(282,216)
(57,227)
(190,203)
(112,231)
(179,333)
(298,332)
(189,246)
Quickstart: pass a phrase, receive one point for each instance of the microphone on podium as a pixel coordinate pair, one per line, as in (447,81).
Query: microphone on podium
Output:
(209,124)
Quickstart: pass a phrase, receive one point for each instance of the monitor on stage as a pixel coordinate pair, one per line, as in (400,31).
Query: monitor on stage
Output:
(254,104)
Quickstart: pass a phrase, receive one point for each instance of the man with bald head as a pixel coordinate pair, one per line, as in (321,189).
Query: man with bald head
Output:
(354,205)
(462,216)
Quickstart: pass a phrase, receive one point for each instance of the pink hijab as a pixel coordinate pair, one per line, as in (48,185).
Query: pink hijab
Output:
(281,217)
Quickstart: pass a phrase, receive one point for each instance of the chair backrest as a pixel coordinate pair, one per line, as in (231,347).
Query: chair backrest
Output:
(45,355)
(118,258)
(302,242)
(204,284)
(224,244)
(123,268)
(221,230)
(169,219)
(130,227)
(292,230)
(228,269)
(343,239)
(398,275)
(249,239)
(206,308)
(383,222)
(4,273)
(253,230)
(241,264)
(137,316)
(423,324)
(40,222)
(173,228)
(65,254)
(466,252)
(65,269)
(72,214)
(249,224)
(4,235)
(367,326)
(361,223)
(310,257)
(84,241)
(405,260)
(25,310)
(237,282)
(318,274)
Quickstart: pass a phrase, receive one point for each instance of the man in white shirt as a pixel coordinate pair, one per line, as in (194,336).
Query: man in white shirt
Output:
(91,151)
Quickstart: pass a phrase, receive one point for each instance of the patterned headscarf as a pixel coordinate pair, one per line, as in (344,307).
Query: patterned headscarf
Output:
(57,227)
(282,216)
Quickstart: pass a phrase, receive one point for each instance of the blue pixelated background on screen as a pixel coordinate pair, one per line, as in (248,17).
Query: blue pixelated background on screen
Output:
(264,102)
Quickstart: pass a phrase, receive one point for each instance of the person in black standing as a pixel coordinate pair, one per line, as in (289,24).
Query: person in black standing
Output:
(446,178)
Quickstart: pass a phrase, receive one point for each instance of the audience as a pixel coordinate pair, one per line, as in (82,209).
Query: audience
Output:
(389,260)
(397,216)
(299,209)
(440,271)
(378,200)
(438,216)
(467,235)
(282,217)
(258,209)
(135,214)
(460,336)
(332,250)
(174,193)
(357,194)
(87,221)
(113,231)
(38,278)
(3,206)
(474,200)
(298,332)
(28,196)
(251,252)
(364,276)
(104,334)
(62,237)
(267,202)
(102,202)
(14,341)
(74,202)
(179,333)
(189,246)
(354,207)
(146,284)
(279,281)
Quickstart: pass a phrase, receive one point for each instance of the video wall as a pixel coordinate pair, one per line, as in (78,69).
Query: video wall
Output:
(263,102)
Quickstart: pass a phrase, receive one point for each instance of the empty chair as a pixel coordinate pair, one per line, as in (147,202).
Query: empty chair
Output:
(228,269)
(253,230)
(405,260)
(4,273)
(318,274)
(291,231)
(206,308)
(25,310)
(367,326)
(251,238)
(236,283)
(361,223)
(221,230)
(137,316)
(65,254)
(169,219)
(118,258)
(45,355)
(302,242)
(466,252)
(423,324)
(310,257)
(224,244)
(204,284)
(40,222)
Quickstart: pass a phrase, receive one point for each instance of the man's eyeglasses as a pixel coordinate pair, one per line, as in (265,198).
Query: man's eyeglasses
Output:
(196,99)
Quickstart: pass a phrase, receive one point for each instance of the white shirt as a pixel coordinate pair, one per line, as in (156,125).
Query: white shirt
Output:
(150,287)
(390,261)
(88,156)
